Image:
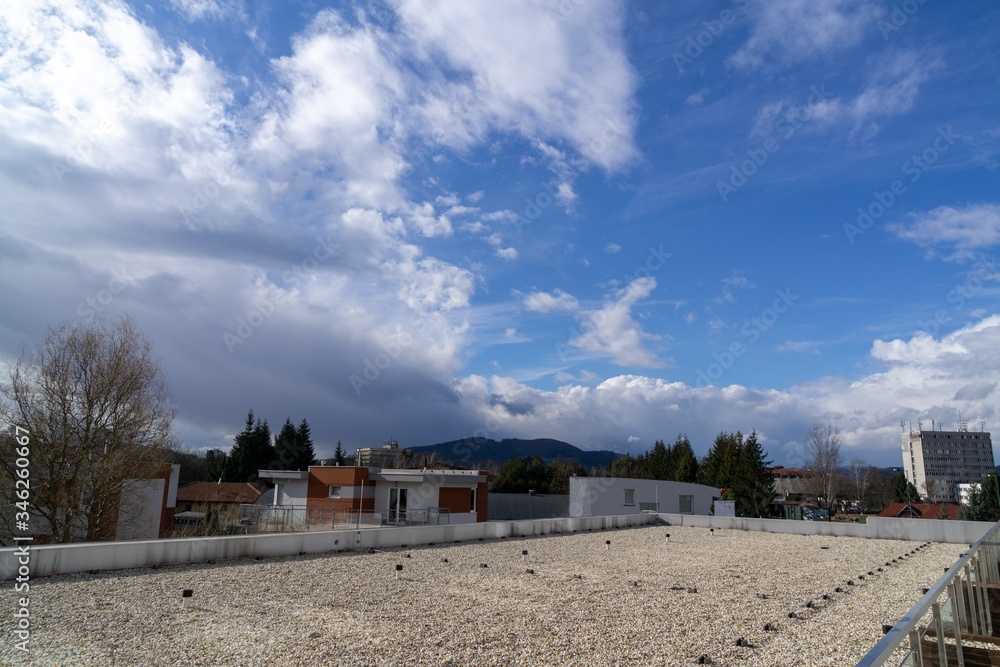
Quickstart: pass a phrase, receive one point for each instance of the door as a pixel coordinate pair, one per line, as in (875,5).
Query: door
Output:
(397,505)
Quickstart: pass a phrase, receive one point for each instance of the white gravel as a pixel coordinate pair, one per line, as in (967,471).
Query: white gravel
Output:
(642,602)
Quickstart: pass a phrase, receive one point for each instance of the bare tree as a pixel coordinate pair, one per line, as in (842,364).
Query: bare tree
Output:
(879,492)
(95,404)
(859,479)
(822,458)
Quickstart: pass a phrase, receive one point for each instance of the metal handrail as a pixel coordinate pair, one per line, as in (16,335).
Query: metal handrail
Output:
(976,570)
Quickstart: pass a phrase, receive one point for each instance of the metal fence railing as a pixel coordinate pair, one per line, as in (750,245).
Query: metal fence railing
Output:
(952,624)
(288,518)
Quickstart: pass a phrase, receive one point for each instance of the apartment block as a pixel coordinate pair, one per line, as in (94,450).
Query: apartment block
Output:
(937,462)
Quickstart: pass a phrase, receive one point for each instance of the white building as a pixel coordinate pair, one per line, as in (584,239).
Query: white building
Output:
(937,462)
(604,496)
(396,496)
(965,492)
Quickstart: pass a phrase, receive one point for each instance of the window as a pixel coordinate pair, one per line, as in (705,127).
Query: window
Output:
(630,496)
(686,504)
(279,494)
(334,491)
(472,504)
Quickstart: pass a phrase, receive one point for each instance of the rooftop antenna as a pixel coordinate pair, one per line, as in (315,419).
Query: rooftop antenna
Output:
(982,425)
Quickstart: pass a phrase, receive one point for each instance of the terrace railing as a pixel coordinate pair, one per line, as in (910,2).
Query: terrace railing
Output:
(952,624)
(286,518)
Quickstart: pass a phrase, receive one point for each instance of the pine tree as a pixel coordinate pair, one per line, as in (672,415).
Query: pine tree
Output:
(755,487)
(984,503)
(286,446)
(903,491)
(338,455)
(685,463)
(306,452)
(719,466)
(251,452)
(659,461)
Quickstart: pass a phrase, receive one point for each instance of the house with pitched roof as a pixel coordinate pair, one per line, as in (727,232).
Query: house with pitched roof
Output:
(222,498)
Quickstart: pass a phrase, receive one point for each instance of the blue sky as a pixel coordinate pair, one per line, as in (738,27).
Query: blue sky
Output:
(604,222)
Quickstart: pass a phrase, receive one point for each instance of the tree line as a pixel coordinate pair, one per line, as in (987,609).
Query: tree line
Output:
(736,464)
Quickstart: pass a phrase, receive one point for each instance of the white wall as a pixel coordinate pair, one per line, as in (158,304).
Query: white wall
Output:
(81,557)
(295,491)
(424,495)
(598,496)
(884,528)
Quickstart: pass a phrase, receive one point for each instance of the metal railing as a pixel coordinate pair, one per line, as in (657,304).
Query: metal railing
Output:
(952,619)
(289,518)
(284,518)
(431,516)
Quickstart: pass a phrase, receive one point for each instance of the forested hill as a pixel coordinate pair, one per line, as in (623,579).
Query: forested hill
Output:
(477,450)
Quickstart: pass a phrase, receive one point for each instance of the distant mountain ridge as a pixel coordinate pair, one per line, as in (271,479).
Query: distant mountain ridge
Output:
(468,451)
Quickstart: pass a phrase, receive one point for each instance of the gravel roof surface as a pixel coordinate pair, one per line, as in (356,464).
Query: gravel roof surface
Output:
(643,601)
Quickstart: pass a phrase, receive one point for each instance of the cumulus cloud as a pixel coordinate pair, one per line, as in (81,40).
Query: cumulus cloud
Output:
(544,302)
(923,378)
(525,73)
(611,331)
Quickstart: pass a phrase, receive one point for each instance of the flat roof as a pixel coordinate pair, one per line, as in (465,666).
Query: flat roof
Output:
(283,474)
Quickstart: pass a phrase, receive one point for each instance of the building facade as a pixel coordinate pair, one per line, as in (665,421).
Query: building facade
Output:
(937,462)
(605,496)
(389,455)
(223,498)
(396,496)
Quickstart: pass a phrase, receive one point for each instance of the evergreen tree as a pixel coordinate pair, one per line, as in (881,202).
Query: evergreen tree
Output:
(286,446)
(984,503)
(558,472)
(628,467)
(252,452)
(754,486)
(215,464)
(306,452)
(522,475)
(719,466)
(903,491)
(684,462)
(338,455)
(659,461)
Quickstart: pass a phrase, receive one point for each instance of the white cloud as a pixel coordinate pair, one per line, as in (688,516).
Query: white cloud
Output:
(611,331)
(430,284)
(961,231)
(196,10)
(612,248)
(891,88)
(924,378)
(567,78)
(696,99)
(507,254)
(736,280)
(789,31)
(798,346)
(543,302)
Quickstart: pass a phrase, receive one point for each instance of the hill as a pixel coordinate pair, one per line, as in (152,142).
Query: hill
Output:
(468,451)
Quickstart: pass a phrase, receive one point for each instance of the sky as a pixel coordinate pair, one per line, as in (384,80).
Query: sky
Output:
(603,222)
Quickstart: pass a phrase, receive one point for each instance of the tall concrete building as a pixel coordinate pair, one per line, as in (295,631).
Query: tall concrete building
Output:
(936,462)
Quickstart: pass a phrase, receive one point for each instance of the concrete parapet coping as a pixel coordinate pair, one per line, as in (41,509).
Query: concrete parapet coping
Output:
(53,559)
